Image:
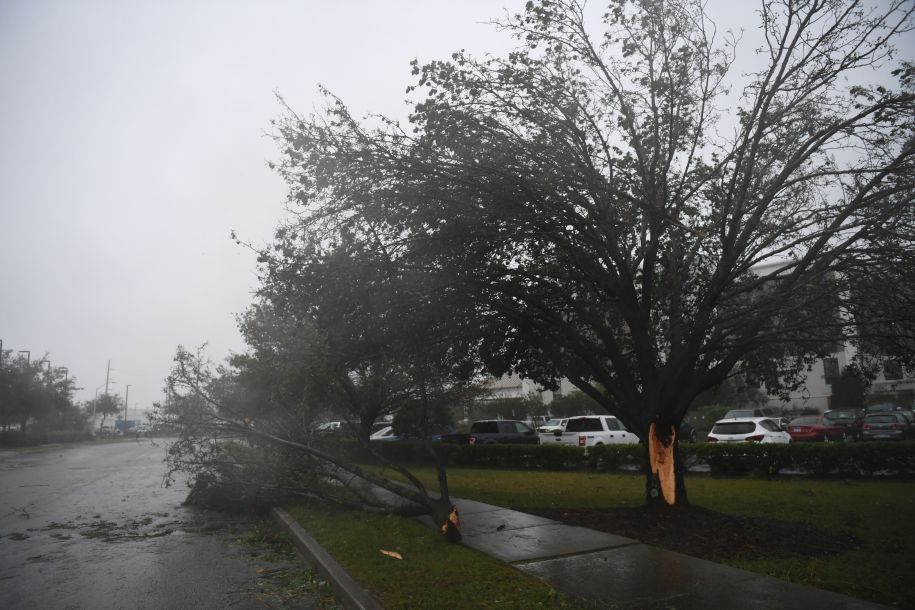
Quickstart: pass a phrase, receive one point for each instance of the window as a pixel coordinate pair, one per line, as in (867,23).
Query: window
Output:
(613,424)
(769,425)
(831,370)
(584,424)
(892,370)
(737,427)
(520,428)
(484,427)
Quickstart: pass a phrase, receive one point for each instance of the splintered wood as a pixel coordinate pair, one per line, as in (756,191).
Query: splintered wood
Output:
(661,458)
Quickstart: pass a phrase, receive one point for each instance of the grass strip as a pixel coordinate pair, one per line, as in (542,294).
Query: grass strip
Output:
(432,572)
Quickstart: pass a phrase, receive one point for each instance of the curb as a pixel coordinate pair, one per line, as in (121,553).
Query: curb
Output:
(347,589)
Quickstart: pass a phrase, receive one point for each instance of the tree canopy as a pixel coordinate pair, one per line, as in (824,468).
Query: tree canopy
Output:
(603,206)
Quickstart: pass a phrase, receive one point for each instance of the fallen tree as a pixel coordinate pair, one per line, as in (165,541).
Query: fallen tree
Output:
(236,447)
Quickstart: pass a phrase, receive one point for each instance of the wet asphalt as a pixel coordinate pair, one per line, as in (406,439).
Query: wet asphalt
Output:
(93,526)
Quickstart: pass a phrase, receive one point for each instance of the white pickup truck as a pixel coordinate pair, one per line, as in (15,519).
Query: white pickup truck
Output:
(591,430)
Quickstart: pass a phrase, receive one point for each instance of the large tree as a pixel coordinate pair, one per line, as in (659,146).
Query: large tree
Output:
(611,221)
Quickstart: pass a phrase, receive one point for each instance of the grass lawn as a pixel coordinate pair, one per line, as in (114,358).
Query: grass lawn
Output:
(432,572)
(880,513)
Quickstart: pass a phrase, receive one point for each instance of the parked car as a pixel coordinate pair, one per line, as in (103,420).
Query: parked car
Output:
(687,433)
(487,432)
(910,416)
(331,427)
(552,425)
(379,425)
(752,429)
(815,428)
(384,434)
(889,425)
(591,430)
(845,418)
(881,407)
(886,407)
(436,432)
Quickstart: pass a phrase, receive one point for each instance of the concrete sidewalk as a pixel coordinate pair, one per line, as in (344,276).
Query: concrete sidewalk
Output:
(624,573)
(612,571)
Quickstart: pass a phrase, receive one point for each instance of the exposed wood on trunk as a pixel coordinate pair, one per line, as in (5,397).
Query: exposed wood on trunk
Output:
(661,459)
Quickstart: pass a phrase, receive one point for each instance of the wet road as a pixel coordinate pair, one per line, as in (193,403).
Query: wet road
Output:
(91,526)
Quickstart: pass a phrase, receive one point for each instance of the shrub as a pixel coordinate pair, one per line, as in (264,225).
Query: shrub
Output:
(841,459)
(42,437)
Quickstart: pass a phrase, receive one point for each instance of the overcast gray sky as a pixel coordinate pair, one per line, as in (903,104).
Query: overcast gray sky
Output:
(131,144)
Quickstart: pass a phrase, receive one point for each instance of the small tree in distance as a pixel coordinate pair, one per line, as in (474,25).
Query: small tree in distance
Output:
(105,405)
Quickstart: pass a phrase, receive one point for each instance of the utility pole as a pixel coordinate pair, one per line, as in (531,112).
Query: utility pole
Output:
(107,374)
(126,396)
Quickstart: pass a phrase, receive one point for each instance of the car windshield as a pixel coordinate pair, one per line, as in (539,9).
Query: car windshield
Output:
(842,414)
(513,427)
(810,420)
(881,419)
(736,427)
(584,424)
(739,413)
(552,422)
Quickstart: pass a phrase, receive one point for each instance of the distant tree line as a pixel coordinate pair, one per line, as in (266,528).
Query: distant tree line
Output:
(35,395)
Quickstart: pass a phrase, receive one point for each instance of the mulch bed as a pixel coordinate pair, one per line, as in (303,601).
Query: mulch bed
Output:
(708,534)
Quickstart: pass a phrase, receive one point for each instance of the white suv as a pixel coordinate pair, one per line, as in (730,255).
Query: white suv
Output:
(590,430)
(751,429)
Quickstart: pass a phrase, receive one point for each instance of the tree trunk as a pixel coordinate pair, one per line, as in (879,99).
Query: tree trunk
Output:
(446,517)
(664,482)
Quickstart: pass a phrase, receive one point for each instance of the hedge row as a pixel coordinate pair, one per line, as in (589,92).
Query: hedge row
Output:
(844,459)
(42,437)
